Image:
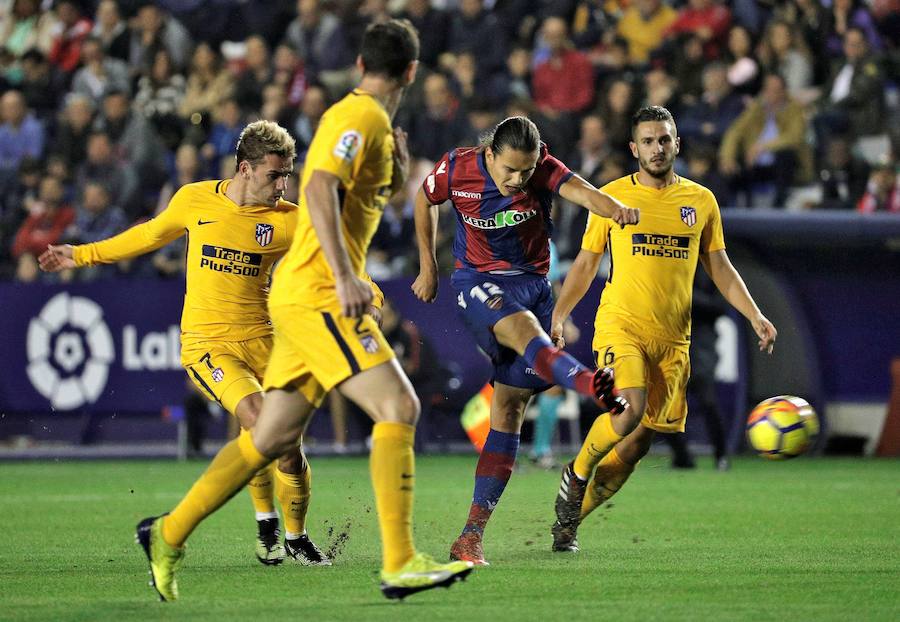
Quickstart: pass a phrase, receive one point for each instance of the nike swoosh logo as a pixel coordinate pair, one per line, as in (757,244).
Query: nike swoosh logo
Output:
(205,222)
(406,476)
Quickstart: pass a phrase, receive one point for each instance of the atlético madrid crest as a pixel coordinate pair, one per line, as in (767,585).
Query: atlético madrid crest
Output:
(688,216)
(264,233)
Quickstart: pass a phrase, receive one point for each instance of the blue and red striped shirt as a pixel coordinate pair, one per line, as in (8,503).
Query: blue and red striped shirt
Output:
(494,232)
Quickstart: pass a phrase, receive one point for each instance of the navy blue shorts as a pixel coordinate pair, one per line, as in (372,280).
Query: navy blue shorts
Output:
(483,299)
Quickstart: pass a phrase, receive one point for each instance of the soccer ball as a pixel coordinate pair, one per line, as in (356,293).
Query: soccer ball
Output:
(782,427)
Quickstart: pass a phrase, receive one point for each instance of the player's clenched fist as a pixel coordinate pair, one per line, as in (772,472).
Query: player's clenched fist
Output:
(355,295)
(425,286)
(626,216)
(56,258)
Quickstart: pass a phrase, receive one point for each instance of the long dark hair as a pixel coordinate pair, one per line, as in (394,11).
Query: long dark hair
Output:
(517,133)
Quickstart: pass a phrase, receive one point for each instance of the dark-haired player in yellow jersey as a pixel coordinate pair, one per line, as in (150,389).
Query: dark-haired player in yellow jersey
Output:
(238,228)
(323,338)
(643,324)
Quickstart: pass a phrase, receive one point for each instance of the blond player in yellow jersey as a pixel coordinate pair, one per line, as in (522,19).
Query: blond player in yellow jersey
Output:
(323,338)
(238,228)
(643,324)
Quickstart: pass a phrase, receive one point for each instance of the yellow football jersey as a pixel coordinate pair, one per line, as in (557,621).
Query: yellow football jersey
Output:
(354,142)
(231,250)
(652,267)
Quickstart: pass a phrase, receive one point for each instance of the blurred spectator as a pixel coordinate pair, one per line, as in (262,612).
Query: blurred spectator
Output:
(842,176)
(256,74)
(475,29)
(223,137)
(743,69)
(428,19)
(706,19)
(274,106)
(209,83)
(152,29)
(14,204)
(96,218)
(290,74)
(701,168)
(784,53)
(686,68)
(169,260)
(465,77)
(707,120)
(563,83)
(767,144)
(807,20)
(660,90)
(390,253)
(104,167)
(111,30)
(25,27)
(135,141)
(47,219)
(616,111)
(315,103)
(515,82)
(318,38)
(74,26)
(159,96)
(882,193)
(853,98)
(440,124)
(642,26)
(73,130)
(21,135)
(41,85)
(99,74)
(843,16)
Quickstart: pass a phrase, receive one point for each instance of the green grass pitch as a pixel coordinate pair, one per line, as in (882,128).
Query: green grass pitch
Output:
(810,539)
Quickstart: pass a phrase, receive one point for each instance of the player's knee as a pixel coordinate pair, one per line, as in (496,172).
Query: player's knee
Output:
(292,461)
(404,408)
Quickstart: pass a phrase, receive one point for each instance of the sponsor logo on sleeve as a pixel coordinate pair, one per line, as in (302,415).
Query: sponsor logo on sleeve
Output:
(348,145)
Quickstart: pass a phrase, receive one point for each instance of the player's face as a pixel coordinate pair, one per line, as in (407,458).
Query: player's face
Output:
(655,145)
(268,180)
(511,169)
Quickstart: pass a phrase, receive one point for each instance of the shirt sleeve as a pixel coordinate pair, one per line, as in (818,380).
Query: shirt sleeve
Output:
(713,238)
(169,225)
(550,173)
(596,234)
(437,184)
(340,143)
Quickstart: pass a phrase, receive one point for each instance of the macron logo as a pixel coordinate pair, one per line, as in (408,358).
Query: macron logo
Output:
(462,194)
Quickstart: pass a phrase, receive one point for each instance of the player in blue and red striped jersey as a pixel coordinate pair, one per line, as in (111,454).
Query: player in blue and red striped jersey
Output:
(502,192)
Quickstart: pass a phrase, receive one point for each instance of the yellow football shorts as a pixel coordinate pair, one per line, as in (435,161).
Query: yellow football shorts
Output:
(227,371)
(661,369)
(315,350)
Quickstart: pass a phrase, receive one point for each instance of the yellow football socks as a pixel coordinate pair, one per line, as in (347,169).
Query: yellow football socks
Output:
(232,467)
(600,439)
(610,476)
(392,463)
(293,495)
(261,487)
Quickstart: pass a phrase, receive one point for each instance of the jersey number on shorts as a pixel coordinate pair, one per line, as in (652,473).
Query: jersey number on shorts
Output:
(608,357)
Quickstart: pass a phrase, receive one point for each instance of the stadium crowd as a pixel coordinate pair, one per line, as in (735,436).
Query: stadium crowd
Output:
(106,108)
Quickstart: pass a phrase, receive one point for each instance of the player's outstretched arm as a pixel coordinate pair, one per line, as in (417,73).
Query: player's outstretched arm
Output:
(729,282)
(577,282)
(426,217)
(579,191)
(56,258)
(354,293)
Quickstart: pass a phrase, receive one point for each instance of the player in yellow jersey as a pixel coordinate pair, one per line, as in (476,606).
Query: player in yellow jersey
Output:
(323,339)
(238,228)
(643,324)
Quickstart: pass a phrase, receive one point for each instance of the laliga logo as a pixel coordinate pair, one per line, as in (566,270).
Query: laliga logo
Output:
(69,351)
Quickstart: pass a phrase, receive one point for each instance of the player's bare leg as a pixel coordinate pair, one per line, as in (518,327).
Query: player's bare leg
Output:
(606,432)
(386,395)
(495,465)
(523,333)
